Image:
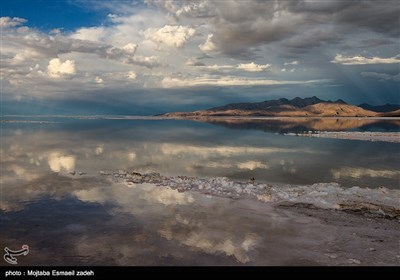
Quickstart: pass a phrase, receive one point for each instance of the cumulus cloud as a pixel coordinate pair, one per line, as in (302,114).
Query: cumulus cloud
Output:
(24,56)
(147,61)
(132,48)
(209,152)
(172,36)
(252,67)
(132,156)
(58,68)
(194,61)
(99,150)
(98,80)
(89,34)
(91,195)
(294,62)
(171,82)
(216,67)
(201,240)
(168,196)
(199,235)
(11,22)
(131,75)
(248,67)
(43,45)
(196,9)
(58,162)
(357,173)
(251,165)
(240,26)
(208,45)
(186,9)
(23,173)
(361,60)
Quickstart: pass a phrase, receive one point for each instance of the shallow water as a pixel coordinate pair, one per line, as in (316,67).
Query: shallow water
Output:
(192,148)
(54,200)
(87,221)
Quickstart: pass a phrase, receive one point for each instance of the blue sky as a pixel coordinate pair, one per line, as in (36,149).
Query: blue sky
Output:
(48,15)
(148,57)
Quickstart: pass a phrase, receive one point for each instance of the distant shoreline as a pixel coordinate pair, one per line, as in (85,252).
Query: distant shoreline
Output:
(392,137)
(160,117)
(273,118)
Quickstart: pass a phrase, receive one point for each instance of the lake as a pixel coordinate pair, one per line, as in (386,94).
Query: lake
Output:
(54,199)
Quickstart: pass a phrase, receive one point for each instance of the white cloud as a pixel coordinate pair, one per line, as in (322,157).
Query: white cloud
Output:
(89,34)
(210,239)
(146,61)
(58,68)
(170,82)
(131,75)
(251,165)
(209,152)
(208,45)
(42,45)
(168,196)
(361,60)
(99,150)
(132,156)
(91,195)
(194,9)
(363,172)
(23,173)
(98,80)
(252,67)
(118,77)
(294,62)
(58,162)
(217,67)
(248,67)
(143,35)
(193,61)
(11,22)
(381,76)
(172,36)
(25,56)
(130,48)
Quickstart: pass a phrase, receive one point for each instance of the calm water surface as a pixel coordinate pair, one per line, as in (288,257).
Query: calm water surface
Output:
(86,219)
(171,147)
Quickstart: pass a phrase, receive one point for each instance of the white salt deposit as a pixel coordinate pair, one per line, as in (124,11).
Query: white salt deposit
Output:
(380,201)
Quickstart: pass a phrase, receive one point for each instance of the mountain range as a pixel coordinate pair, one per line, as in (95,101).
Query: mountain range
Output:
(297,107)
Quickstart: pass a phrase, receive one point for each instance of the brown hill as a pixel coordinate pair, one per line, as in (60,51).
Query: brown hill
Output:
(296,107)
(391,114)
(316,110)
(330,110)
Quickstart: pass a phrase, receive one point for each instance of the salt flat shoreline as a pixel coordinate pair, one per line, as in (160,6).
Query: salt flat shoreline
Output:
(381,202)
(271,117)
(393,137)
(335,226)
(202,221)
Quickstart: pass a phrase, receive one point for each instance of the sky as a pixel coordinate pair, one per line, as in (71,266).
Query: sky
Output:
(148,57)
